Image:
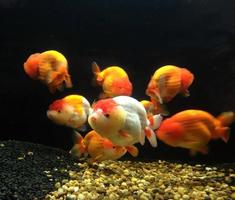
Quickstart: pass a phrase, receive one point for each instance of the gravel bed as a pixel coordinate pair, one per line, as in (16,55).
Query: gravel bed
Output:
(33,171)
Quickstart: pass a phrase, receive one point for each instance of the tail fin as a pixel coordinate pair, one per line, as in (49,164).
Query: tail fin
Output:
(226,118)
(223,131)
(79,148)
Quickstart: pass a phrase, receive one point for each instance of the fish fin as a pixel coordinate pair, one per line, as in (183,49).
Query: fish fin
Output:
(132,150)
(185,93)
(96,71)
(77,137)
(162,109)
(161,85)
(204,150)
(95,159)
(226,118)
(123,133)
(155,121)
(103,95)
(223,133)
(68,81)
(150,136)
(82,128)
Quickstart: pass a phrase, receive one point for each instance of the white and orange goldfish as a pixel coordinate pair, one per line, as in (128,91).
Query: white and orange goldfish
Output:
(193,129)
(51,68)
(71,111)
(166,83)
(123,120)
(97,147)
(114,81)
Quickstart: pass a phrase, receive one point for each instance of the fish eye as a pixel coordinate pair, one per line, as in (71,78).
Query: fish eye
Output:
(106,115)
(59,111)
(114,147)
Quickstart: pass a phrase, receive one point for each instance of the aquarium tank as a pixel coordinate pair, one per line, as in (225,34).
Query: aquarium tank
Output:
(117,99)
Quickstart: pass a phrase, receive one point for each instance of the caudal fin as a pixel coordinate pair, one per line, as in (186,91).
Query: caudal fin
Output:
(223,133)
(226,118)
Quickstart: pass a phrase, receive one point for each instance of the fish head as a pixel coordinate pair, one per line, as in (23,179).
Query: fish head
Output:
(107,117)
(186,78)
(60,112)
(31,66)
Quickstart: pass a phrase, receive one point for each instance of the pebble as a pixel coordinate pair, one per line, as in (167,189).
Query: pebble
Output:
(163,180)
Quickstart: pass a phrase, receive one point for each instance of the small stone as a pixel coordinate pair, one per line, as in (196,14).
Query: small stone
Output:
(30,153)
(2,145)
(60,191)
(71,197)
(57,185)
(81,196)
(208,169)
(185,197)
(177,196)
(233,195)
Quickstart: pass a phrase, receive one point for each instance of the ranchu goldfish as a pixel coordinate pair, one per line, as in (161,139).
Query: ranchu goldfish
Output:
(51,68)
(97,147)
(149,107)
(166,83)
(193,129)
(71,111)
(114,81)
(123,120)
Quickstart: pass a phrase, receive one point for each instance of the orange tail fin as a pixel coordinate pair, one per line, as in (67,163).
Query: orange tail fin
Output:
(223,133)
(226,118)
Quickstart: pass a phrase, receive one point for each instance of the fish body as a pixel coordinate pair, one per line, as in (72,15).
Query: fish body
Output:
(51,68)
(193,129)
(123,120)
(71,111)
(97,147)
(113,80)
(167,82)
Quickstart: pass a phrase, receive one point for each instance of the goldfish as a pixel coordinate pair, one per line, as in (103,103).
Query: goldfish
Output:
(97,147)
(166,83)
(71,111)
(51,68)
(114,81)
(123,120)
(193,129)
(149,107)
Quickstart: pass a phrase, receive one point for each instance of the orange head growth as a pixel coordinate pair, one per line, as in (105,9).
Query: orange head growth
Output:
(106,105)
(57,105)
(186,78)
(31,66)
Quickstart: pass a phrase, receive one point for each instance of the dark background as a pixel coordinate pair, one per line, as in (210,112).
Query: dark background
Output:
(138,35)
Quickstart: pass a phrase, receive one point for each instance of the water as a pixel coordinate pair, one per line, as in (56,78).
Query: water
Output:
(139,36)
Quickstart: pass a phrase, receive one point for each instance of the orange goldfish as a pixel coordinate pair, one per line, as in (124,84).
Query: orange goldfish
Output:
(114,81)
(193,129)
(166,83)
(51,68)
(71,111)
(97,147)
